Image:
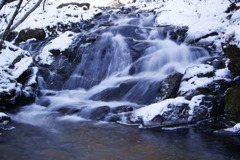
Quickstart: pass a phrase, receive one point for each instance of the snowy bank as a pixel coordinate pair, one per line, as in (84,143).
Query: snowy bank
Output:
(16,73)
(208,21)
(51,17)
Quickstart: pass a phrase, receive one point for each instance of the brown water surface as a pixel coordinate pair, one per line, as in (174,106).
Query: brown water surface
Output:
(110,141)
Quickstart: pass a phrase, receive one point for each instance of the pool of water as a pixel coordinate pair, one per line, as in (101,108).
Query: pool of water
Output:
(110,141)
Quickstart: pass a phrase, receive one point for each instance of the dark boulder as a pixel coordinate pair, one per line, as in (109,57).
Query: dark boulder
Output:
(26,34)
(145,92)
(99,113)
(121,109)
(233,53)
(170,86)
(232,103)
(113,118)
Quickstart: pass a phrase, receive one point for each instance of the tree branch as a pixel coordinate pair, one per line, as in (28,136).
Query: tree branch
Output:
(26,15)
(2,3)
(8,30)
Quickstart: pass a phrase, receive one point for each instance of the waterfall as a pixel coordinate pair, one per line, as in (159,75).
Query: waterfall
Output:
(123,67)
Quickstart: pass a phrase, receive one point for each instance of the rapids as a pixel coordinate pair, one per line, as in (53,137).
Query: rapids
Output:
(123,66)
(116,64)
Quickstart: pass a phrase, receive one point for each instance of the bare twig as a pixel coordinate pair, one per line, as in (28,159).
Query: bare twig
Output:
(7,30)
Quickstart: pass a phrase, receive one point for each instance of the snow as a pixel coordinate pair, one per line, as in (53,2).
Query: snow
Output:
(14,61)
(222,74)
(51,17)
(60,43)
(147,113)
(22,66)
(194,83)
(234,129)
(200,16)
(201,69)
(3,115)
(196,77)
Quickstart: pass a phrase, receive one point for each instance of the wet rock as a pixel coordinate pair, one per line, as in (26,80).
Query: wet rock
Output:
(113,118)
(137,48)
(232,103)
(4,120)
(99,113)
(43,101)
(52,31)
(85,5)
(133,32)
(68,110)
(26,34)
(144,92)
(178,34)
(64,64)
(114,94)
(86,25)
(217,63)
(170,86)
(121,109)
(175,33)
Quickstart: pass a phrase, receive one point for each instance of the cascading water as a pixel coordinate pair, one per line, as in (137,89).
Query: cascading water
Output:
(124,67)
(115,70)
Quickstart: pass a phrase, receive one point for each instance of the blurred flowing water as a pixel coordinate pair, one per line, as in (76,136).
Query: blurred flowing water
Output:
(132,52)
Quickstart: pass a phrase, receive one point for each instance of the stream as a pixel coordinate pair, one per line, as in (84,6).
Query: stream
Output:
(88,140)
(115,66)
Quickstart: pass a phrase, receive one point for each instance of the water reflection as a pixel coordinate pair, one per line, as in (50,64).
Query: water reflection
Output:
(91,140)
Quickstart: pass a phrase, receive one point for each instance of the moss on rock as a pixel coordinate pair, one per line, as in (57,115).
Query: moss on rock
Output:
(232,103)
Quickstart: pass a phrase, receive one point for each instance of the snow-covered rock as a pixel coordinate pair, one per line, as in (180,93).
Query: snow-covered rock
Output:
(17,74)
(59,44)
(202,18)
(234,129)
(204,79)
(49,18)
(172,112)
(4,120)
